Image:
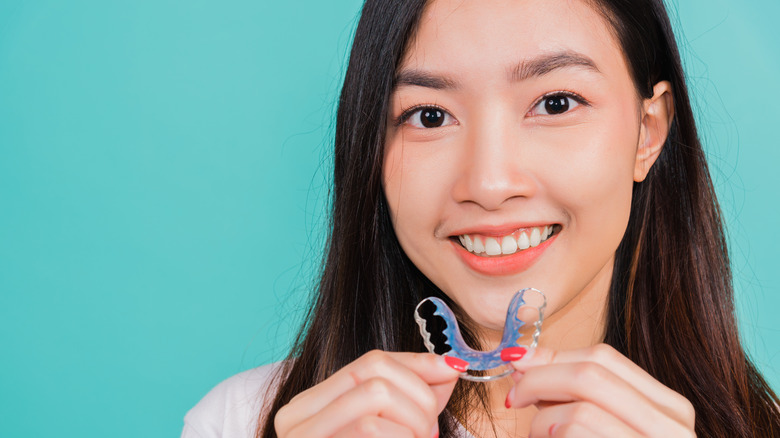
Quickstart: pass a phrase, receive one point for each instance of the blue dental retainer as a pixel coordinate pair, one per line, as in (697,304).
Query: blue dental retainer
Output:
(483,360)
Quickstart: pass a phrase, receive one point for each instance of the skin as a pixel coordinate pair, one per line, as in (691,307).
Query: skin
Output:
(498,163)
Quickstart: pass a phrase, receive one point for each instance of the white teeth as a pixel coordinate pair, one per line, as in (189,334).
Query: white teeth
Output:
(522,241)
(467,242)
(478,247)
(508,245)
(492,247)
(536,237)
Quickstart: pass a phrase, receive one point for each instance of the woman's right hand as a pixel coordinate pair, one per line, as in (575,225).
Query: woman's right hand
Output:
(379,394)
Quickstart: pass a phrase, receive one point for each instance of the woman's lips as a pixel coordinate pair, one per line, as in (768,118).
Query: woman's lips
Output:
(498,255)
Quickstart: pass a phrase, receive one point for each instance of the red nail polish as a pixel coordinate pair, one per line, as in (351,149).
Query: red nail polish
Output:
(512,354)
(508,402)
(456,363)
(552,429)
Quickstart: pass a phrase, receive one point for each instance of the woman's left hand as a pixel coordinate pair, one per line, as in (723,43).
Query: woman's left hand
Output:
(596,392)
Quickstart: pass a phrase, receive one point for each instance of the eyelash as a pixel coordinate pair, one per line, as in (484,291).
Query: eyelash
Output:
(564,93)
(409,111)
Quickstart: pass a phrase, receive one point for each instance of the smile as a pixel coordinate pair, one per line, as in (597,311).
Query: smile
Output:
(493,246)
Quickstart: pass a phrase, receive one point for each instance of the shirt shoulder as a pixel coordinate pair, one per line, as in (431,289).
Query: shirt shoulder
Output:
(232,408)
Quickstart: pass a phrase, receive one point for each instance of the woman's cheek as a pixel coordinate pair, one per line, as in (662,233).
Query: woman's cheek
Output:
(591,179)
(409,189)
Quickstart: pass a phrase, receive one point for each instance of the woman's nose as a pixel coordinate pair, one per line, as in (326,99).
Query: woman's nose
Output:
(493,169)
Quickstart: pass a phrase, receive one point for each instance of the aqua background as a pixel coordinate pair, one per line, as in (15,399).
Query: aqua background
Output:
(163,170)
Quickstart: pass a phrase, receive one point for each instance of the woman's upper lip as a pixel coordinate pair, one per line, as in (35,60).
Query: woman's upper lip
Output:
(499,230)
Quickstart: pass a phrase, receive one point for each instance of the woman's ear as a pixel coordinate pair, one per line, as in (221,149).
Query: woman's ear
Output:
(657,116)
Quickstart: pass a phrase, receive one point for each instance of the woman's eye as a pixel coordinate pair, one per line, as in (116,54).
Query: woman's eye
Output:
(555,104)
(428,117)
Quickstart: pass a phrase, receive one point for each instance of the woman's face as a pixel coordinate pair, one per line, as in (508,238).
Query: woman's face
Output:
(511,151)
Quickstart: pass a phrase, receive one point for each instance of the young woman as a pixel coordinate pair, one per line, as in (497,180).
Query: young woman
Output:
(487,146)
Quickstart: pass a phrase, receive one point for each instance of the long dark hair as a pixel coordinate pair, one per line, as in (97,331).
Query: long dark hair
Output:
(671,299)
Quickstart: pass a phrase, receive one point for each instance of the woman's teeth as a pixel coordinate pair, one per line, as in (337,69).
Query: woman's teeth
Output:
(505,245)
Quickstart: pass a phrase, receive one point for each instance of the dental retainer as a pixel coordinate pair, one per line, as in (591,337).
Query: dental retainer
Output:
(523,311)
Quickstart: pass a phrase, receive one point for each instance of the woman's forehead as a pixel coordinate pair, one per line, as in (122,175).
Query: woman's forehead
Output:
(495,36)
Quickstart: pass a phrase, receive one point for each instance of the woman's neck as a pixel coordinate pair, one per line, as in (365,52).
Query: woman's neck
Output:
(579,324)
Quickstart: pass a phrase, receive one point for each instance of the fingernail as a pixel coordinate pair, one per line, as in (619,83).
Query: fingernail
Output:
(526,361)
(511,354)
(552,429)
(509,398)
(456,363)
(435,430)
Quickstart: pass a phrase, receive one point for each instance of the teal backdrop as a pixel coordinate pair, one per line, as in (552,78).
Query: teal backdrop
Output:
(163,175)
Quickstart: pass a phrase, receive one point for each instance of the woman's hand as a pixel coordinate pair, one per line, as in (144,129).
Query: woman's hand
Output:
(596,392)
(380,394)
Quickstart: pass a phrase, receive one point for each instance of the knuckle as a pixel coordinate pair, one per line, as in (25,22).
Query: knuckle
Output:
(429,403)
(367,366)
(588,373)
(368,427)
(377,388)
(538,425)
(374,356)
(281,420)
(603,353)
(375,359)
(297,398)
(568,430)
(688,411)
(430,360)
(582,412)
(682,407)
(552,355)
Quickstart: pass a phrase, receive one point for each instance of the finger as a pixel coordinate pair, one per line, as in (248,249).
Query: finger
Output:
(550,421)
(575,431)
(589,381)
(669,401)
(441,379)
(376,397)
(425,377)
(375,427)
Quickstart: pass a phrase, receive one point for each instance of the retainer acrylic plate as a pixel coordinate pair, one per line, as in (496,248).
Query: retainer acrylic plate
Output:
(525,311)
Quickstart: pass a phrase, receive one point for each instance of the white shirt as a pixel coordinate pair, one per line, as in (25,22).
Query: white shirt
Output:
(232,408)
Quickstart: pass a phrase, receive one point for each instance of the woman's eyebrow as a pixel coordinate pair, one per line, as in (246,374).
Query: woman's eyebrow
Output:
(543,64)
(525,69)
(420,78)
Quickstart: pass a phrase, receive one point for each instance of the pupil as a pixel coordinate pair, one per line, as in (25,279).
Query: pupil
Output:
(556,104)
(431,118)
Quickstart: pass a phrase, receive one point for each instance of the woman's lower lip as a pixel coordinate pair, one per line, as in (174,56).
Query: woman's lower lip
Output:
(503,265)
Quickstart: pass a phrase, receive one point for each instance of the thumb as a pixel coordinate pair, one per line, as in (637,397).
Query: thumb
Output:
(443,392)
(437,371)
